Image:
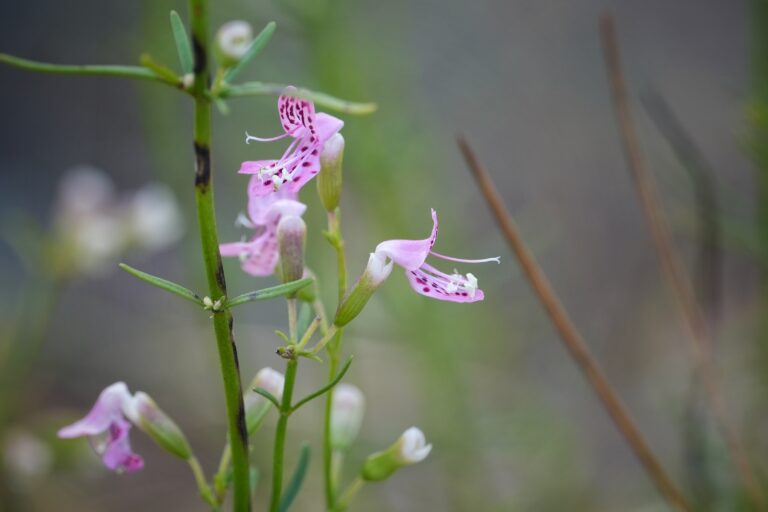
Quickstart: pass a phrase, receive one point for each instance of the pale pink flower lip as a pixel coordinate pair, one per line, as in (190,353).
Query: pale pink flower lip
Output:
(108,429)
(259,255)
(301,160)
(426,279)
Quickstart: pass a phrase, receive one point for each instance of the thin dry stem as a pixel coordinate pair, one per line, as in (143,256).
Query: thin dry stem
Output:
(696,326)
(571,337)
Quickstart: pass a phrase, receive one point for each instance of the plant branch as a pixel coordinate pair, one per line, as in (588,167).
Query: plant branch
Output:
(92,70)
(695,323)
(571,337)
(222,320)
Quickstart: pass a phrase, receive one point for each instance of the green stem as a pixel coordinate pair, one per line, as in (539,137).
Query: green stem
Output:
(202,484)
(350,493)
(292,320)
(282,427)
(110,70)
(334,226)
(328,472)
(222,320)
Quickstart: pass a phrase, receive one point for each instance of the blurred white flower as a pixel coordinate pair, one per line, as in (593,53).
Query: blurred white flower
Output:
(348,408)
(153,218)
(413,446)
(26,456)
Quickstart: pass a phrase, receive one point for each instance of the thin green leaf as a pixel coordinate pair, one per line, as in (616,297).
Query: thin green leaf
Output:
(269,293)
(182,43)
(320,98)
(255,47)
(166,285)
(269,396)
(150,63)
(109,70)
(326,388)
(297,479)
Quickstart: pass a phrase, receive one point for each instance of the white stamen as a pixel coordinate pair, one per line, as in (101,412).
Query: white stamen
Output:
(471,285)
(277,182)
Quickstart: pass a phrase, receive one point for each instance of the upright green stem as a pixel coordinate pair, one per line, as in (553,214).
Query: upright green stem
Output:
(282,427)
(222,320)
(328,472)
(334,227)
(350,493)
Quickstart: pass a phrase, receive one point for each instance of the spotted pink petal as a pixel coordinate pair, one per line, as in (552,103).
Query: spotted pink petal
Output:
(254,166)
(297,116)
(436,287)
(410,254)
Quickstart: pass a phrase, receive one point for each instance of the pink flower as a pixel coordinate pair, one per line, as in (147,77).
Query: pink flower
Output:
(301,160)
(423,277)
(108,429)
(259,255)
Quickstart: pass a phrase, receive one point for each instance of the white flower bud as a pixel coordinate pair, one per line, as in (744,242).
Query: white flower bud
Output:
(347,411)
(376,272)
(271,380)
(410,448)
(233,40)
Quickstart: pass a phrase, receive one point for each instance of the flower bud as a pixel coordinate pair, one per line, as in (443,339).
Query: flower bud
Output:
(232,41)
(271,380)
(376,272)
(409,449)
(291,232)
(347,411)
(329,180)
(145,414)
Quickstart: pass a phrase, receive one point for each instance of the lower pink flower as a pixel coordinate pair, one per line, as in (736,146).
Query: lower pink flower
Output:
(107,427)
(259,255)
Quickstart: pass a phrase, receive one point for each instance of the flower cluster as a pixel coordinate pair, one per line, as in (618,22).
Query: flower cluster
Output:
(273,193)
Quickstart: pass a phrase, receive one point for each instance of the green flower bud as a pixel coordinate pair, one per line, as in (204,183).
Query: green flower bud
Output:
(308,293)
(145,414)
(329,181)
(376,272)
(409,449)
(291,233)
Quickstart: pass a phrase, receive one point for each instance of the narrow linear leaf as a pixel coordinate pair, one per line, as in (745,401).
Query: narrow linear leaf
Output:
(166,285)
(61,69)
(325,100)
(182,43)
(269,396)
(269,293)
(255,47)
(294,486)
(326,388)
(161,70)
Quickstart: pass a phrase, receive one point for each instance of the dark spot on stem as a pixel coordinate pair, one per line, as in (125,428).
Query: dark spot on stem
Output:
(222,282)
(200,55)
(202,165)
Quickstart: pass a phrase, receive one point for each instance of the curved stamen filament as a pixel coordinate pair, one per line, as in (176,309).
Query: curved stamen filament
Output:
(497,259)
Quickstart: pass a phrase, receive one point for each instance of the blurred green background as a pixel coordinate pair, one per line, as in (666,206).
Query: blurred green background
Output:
(513,424)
